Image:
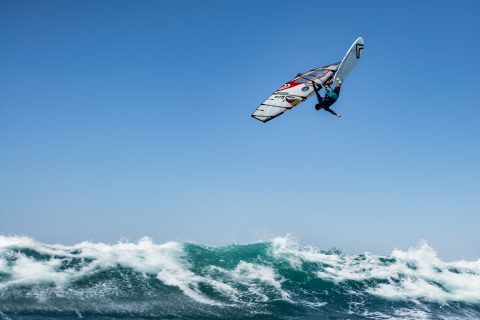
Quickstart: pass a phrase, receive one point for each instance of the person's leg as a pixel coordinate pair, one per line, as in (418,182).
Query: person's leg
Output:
(331,111)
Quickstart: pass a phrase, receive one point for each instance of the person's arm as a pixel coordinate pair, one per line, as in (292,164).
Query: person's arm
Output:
(337,89)
(316,92)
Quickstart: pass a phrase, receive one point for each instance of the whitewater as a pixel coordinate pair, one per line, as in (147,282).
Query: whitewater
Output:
(276,279)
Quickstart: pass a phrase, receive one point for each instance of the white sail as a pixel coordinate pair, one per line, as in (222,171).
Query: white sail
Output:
(293,93)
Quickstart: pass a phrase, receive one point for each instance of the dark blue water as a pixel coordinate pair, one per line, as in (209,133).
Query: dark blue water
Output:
(278,279)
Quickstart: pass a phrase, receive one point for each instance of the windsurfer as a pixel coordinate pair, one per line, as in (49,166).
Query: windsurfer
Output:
(331,96)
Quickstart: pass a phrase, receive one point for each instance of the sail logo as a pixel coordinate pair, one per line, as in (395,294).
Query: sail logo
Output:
(292,100)
(358,49)
(285,86)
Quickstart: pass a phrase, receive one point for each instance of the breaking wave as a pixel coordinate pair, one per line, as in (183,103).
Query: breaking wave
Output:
(274,279)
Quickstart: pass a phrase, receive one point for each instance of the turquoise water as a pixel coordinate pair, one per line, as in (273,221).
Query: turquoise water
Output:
(277,279)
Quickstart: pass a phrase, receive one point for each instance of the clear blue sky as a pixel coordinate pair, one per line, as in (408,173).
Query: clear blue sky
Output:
(132,118)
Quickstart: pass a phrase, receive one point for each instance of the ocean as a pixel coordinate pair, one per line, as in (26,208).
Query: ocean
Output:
(276,279)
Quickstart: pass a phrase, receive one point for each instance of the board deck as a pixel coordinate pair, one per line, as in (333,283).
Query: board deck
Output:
(349,62)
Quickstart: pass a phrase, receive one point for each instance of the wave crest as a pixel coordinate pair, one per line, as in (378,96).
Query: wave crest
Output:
(175,279)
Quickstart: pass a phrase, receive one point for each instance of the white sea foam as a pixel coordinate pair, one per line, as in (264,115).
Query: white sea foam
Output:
(257,278)
(412,314)
(423,276)
(414,274)
(164,260)
(248,273)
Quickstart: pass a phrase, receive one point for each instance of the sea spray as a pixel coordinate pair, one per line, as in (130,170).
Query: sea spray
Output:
(274,279)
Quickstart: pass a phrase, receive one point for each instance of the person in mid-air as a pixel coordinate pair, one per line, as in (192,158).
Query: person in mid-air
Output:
(331,96)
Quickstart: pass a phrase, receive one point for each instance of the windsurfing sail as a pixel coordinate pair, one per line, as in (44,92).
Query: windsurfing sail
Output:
(300,88)
(294,92)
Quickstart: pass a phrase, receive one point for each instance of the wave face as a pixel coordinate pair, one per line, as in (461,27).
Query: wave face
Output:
(278,279)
